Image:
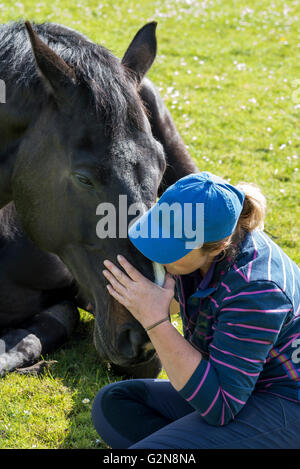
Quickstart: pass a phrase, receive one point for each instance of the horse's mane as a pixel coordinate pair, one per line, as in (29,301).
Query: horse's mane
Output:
(110,85)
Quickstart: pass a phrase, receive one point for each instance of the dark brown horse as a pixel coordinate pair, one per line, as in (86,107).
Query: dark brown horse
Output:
(79,127)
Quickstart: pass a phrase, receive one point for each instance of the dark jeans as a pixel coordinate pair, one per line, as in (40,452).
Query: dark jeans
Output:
(150,413)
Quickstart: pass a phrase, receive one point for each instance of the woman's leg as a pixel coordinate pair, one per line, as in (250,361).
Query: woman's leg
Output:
(151,414)
(127,411)
(265,422)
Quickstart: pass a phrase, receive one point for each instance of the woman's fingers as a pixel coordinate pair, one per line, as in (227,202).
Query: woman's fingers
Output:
(116,295)
(122,278)
(133,273)
(114,282)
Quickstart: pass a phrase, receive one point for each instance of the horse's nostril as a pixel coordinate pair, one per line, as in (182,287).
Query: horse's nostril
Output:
(131,342)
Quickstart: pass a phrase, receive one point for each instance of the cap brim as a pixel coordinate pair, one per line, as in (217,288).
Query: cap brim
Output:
(160,249)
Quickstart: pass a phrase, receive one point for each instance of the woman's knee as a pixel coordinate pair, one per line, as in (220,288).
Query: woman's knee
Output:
(97,407)
(105,404)
(113,411)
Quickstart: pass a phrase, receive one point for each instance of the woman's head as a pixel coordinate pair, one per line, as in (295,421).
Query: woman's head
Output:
(228,212)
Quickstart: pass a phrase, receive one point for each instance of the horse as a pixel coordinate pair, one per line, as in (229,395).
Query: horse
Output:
(78,127)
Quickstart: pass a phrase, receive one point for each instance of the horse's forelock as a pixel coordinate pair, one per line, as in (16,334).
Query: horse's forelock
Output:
(113,90)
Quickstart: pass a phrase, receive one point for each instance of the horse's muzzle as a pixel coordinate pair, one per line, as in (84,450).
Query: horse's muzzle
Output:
(133,343)
(129,348)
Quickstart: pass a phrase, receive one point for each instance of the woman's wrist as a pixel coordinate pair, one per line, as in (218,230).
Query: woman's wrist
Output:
(178,357)
(157,323)
(150,320)
(159,329)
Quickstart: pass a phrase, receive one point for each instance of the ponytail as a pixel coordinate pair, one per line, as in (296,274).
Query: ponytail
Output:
(254,208)
(251,218)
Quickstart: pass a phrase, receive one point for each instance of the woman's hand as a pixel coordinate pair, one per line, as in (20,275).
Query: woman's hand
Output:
(149,303)
(146,301)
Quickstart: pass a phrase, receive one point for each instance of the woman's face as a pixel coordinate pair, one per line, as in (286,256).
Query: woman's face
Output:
(196,259)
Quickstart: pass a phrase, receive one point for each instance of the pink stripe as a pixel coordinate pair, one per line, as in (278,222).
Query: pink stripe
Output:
(253,293)
(208,337)
(226,286)
(201,313)
(234,367)
(290,370)
(294,336)
(234,355)
(224,397)
(257,310)
(253,327)
(294,318)
(242,275)
(233,398)
(246,340)
(223,414)
(200,384)
(212,404)
(297,310)
(214,301)
(272,379)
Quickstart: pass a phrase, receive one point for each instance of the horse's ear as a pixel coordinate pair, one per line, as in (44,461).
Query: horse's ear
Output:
(54,71)
(141,52)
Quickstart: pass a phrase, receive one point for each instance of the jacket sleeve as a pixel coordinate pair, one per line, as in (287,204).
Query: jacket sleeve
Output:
(247,326)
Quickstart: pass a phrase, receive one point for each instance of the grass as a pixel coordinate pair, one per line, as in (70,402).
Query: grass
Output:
(226,70)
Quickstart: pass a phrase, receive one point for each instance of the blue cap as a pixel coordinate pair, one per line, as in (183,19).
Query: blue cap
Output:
(198,208)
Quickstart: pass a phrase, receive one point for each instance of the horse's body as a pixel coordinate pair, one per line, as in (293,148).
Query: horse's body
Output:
(73,133)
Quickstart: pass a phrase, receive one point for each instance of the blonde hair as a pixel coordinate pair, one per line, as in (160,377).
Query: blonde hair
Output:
(251,218)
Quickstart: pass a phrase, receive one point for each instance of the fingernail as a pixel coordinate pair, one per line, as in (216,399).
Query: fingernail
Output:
(119,257)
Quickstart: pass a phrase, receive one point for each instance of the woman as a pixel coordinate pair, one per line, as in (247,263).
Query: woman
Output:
(234,376)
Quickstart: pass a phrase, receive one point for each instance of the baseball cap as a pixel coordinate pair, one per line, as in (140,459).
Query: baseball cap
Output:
(198,208)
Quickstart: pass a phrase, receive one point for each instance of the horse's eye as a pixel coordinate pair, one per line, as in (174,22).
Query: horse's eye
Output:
(84,180)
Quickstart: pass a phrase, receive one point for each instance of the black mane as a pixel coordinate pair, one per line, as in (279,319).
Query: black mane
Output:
(111,86)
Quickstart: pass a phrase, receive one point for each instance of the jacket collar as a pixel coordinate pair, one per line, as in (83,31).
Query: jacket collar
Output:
(204,288)
(205,285)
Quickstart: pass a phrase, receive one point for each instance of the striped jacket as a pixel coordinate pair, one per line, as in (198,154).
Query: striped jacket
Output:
(244,317)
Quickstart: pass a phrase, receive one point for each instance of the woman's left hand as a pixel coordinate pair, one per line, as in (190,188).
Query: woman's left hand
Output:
(146,301)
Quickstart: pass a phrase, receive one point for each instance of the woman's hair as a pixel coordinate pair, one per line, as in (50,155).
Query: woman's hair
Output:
(251,218)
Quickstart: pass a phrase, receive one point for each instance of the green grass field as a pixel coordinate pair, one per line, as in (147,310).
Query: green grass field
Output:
(229,73)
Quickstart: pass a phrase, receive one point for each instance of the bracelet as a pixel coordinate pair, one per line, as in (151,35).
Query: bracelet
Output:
(156,323)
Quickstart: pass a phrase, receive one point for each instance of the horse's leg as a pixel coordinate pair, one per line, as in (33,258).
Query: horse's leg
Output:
(41,334)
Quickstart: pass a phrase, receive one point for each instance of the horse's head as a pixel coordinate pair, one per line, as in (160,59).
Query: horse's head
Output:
(91,143)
